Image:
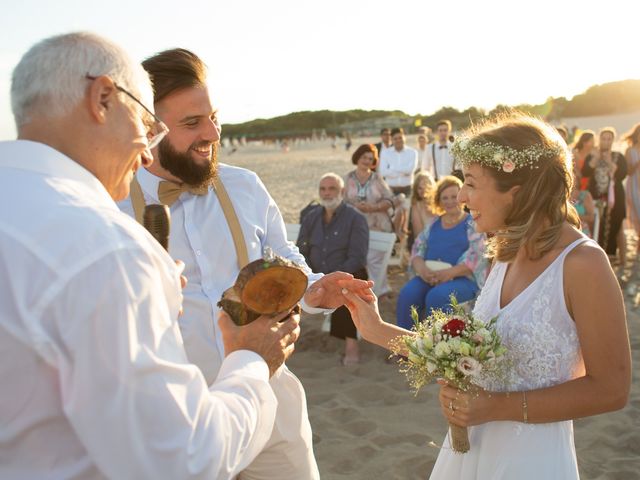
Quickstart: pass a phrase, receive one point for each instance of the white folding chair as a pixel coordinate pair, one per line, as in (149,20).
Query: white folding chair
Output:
(293,229)
(383,242)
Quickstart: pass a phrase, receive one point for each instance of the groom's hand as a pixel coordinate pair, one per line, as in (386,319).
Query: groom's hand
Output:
(327,292)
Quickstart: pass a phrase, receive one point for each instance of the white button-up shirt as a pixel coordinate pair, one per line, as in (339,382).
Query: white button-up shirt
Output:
(201,238)
(94,378)
(397,167)
(444,163)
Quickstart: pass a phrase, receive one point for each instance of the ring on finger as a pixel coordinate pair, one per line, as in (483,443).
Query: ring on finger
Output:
(451,407)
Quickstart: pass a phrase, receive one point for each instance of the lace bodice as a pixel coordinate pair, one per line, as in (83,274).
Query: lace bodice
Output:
(541,337)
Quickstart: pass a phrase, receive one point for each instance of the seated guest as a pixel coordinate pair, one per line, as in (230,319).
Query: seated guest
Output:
(335,237)
(421,213)
(451,238)
(370,194)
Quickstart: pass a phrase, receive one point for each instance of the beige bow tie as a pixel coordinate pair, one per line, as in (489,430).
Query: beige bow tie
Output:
(168,192)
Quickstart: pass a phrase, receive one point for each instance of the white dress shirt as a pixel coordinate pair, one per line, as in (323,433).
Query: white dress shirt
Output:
(444,163)
(95,380)
(397,167)
(201,238)
(422,156)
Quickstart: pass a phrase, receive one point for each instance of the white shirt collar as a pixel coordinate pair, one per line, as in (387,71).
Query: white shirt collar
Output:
(41,158)
(149,183)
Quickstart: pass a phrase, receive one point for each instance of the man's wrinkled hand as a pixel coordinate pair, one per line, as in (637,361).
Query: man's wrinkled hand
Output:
(271,337)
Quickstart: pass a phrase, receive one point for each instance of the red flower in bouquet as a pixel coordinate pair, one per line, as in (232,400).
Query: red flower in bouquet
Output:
(454,327)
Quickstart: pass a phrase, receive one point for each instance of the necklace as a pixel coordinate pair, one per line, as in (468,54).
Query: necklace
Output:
(450,223)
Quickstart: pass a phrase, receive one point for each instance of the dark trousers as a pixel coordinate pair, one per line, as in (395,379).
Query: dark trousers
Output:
(341,324)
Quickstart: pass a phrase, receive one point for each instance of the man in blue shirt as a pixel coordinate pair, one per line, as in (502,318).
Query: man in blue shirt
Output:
(333,237)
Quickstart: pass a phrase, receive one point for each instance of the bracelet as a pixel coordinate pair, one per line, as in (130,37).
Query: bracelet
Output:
(525,416)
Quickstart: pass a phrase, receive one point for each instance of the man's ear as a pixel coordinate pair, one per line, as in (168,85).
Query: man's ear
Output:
(100,98)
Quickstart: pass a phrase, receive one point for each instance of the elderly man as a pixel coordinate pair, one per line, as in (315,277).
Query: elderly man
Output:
(335,237)
(95,380)
(223,217)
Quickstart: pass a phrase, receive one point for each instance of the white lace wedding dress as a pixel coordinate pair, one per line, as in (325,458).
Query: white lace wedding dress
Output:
(543,351)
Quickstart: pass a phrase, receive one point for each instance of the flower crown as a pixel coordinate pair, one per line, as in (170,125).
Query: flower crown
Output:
(501,157)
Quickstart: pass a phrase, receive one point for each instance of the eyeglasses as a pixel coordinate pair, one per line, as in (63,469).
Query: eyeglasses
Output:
(157,131)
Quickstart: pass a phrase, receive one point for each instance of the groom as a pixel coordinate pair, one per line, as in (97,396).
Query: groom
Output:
(215,239)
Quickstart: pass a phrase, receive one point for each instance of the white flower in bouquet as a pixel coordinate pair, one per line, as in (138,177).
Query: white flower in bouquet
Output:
(442,349)
(454,344)
(469,366)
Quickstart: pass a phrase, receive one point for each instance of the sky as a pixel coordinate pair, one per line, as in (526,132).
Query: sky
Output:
(272,57)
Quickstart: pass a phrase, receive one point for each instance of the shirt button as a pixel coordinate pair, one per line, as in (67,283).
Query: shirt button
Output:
(198,252)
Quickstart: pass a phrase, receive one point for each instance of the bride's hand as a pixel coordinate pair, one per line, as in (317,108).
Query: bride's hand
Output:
(365,314)
(466,408)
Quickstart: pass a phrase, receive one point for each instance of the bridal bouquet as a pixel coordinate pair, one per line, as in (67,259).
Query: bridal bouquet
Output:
(454,346)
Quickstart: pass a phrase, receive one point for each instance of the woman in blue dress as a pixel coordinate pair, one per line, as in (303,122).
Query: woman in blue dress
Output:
(447,257)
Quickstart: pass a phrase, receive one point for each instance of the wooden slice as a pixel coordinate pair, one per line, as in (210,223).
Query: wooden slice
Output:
(264,288)
(271,287)
(230,303)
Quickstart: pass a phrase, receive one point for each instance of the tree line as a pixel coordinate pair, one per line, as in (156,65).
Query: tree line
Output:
(606,99)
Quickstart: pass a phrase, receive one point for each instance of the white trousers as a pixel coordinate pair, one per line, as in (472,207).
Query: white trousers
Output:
(288,455)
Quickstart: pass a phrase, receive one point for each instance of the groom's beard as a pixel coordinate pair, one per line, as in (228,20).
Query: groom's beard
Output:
(183,166)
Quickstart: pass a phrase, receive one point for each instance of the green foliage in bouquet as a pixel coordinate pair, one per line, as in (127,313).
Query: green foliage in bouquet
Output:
(452,345)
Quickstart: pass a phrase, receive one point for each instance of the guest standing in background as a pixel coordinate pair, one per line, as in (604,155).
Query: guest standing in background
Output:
(370,194)
(397,166)
(632,156)
(385,140)
(606,170)
(423,145)
(439,162)
(581,150)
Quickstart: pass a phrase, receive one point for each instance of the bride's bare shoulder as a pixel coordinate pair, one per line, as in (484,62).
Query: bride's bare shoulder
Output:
(587,262)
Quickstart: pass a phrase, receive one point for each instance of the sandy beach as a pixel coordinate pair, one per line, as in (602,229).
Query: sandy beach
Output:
(366,422)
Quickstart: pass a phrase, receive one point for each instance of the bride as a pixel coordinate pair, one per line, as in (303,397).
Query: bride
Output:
(560,311)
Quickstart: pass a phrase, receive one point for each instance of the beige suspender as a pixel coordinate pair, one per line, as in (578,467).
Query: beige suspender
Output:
(137,200)
(232,221)
(138,203)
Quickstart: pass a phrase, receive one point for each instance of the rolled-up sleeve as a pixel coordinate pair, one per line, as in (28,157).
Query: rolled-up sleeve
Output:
(137,405)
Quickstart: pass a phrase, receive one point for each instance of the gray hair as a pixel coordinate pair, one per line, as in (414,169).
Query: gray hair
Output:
(336,177)
(50,79)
